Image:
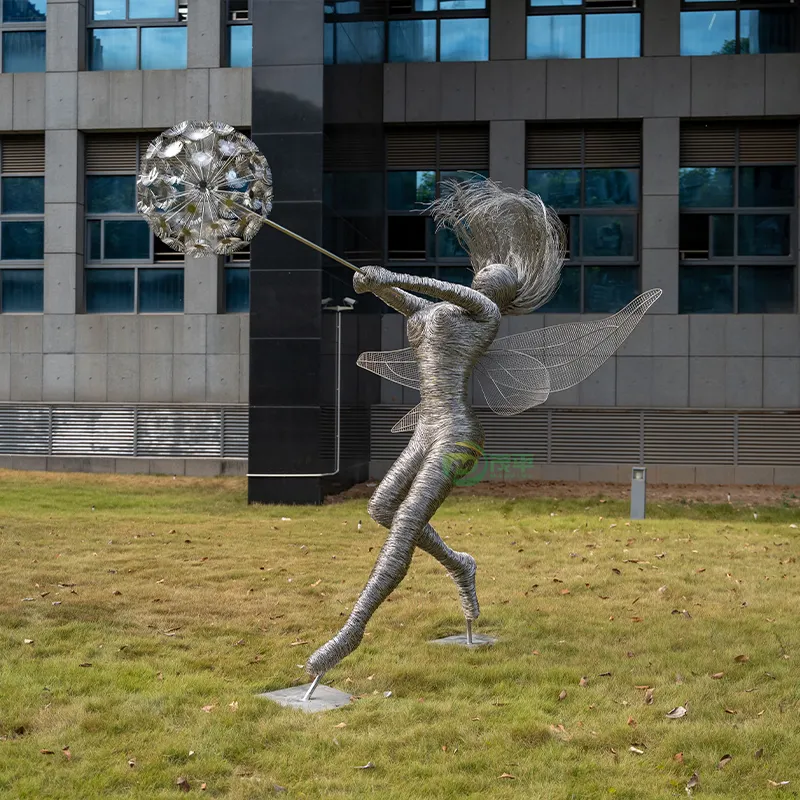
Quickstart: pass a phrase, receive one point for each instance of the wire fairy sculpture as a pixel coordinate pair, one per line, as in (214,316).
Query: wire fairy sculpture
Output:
(516,249)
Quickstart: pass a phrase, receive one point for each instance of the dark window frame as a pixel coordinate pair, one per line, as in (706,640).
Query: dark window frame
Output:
(34,26)
(583,10)
(736,261)
(232,20)
(390,14)
(180,20)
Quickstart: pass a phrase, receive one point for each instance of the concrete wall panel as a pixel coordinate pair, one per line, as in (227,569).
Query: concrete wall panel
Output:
(65,36)
(230,94)
(64,162)
(204,35)
(599,389)
(126,93)
(670,334)
(58,373)
(123,378)
(155,378)
(156,334)
(660,155)
(510,90)
(394,92)
(91,333)
(189,379)
(94,100)
(60,283)
(744,335)
(635,382)
(661,23)
(25,372)
(91,378)
(654,87)
(671,381)
(782,383)
(244,379)
(58,333)
(222,334)
(63,228)
(123,333)
(222,379)
(659,221)
(706,335)
(743,382)
(29,101)
(564,89)
(660,271)
(781,84)
(707,382)
(7,101)
(61,100)
(507,153)
(782,335)
(201,286)
(507,29)
(728,86)
(23,334)
(190,334)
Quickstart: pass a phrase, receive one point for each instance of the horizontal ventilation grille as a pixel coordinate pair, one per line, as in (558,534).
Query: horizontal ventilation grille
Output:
(353,151)
(117,152)
(22,154)
(447,149)
(622,436)
(596,146)
(713,144)
(124,431)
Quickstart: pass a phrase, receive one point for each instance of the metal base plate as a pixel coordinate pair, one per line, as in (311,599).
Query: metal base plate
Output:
(323,699)
(460,639)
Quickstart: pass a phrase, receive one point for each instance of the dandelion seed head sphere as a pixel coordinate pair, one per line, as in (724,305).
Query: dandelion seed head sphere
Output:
(204,188)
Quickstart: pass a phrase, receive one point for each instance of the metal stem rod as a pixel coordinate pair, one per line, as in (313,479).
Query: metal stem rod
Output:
(469,631)
(312,688)
(310,244)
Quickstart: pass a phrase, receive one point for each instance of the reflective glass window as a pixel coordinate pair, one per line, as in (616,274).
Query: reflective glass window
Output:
(22,241)
(705,290)
(412,40)
(608,236)
(558,188)
(706,187)
(107,10)
(612,187)
(24,51)
(613,35)
(768,31)
(693,235)
(95,241)
(237,290)
(554,36)
(764,235)
(359,42)
(151,9)
(766,186)
(460,275)
(448,246)
(464,39)
(567,299)
(240,45)
(111,194)
(409,238)
(160,291)
(22,195)
(554,3)
(164,48)
(766,290)
(24,10)
(126,240)
(113,49)
(608,289)
(22,291)
(110,291)
(327,43)
(461,5)
(446,178)
(722,235)
(707,33)
(409,191)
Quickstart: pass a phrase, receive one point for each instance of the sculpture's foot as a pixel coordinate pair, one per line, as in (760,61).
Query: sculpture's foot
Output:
(464,578)
(332,652)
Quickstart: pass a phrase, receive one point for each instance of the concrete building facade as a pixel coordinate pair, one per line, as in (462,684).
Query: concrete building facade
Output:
(694,395)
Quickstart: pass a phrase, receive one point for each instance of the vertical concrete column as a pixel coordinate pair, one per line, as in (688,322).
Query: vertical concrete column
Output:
(201,283)
(660,209)
(662,28)
(507,29)
(205,28)
(64,221)
(507,152)
(66,36)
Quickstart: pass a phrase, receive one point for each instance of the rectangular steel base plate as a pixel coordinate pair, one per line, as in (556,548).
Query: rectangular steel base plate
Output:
(323,699)
(460,639)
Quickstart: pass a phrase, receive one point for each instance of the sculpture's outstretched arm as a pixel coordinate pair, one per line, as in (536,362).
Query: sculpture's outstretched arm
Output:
(475,303)
(403,302)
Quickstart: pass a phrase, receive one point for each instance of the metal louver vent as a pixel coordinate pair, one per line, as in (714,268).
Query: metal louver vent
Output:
(411,148)
(769,439)
(195,432)
(352,150)
(464,148)
(707,145)
(86,431)
(554,147)
(235,423)
(688,438)
(768,144)
(114,152)
(594,437)
(22,154)
(24,430)
(613,146)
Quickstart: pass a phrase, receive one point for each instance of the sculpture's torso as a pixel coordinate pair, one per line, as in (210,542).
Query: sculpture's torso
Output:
(447,343)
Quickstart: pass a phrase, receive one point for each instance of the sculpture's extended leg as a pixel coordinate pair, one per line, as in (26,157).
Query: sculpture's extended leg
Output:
(428,490)
(385,501)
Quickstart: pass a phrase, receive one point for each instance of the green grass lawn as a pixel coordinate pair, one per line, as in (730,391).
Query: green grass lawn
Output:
(157,616)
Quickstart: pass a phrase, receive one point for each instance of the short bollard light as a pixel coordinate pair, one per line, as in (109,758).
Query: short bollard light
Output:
(638,483)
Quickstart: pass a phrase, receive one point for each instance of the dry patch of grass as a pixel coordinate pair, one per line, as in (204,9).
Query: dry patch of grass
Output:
(155,618)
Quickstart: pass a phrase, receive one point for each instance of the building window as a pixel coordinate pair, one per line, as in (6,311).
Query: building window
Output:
(236,288)
(23,39)
(21,224)
(714,27)
(138,34)
(375,31)
(128,269)
(240,34)
(738,218)
(584,29)
(591,176)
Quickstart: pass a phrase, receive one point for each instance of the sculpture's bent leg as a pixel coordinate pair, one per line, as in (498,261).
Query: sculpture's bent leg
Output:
(385,501)
(428,490)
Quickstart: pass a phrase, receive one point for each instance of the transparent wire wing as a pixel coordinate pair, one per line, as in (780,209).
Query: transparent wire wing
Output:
(512,381)
(573,351)
(398,366)
(408,422)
